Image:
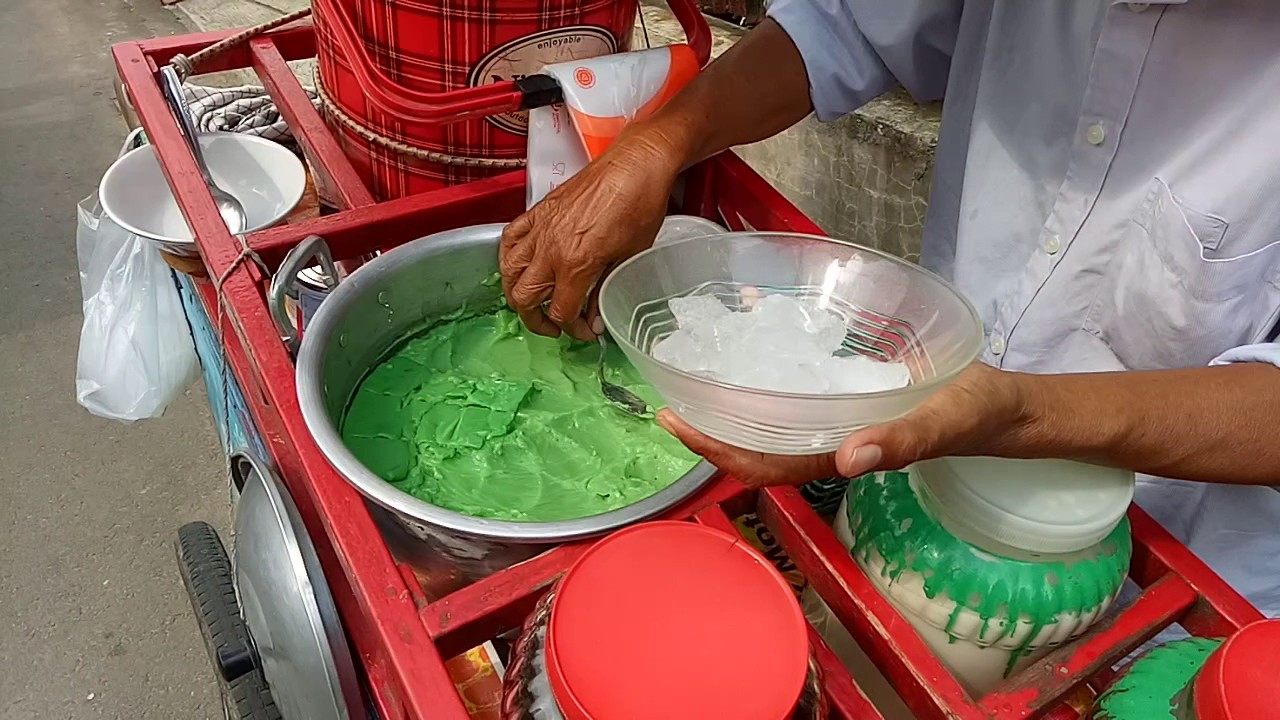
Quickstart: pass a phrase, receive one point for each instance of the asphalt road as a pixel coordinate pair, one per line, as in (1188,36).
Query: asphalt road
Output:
(94,622)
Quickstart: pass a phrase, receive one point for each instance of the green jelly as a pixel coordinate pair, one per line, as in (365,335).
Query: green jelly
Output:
(1152,687)
(886,517)
(478,415)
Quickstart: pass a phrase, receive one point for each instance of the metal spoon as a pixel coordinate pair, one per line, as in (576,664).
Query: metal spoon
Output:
(228,206)
(618,396)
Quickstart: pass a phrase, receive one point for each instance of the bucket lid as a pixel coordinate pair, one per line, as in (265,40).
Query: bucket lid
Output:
(1039,506)
(674,619)
(1238,682)
(287,604)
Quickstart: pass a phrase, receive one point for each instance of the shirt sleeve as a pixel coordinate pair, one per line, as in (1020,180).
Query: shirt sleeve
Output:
(855,50)
(1268,353)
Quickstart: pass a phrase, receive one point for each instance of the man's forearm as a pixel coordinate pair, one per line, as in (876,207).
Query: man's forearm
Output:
(757,89)
(1210,424)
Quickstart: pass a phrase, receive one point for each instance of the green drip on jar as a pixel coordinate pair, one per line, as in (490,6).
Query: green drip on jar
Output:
(886,518)
(1150,688)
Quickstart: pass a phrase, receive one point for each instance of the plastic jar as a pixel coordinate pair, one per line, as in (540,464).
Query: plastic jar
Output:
(993,562)
(665,620)
(1200,679)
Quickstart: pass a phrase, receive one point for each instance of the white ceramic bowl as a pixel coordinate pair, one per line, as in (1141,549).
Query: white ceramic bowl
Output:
(893,311)
(266,177)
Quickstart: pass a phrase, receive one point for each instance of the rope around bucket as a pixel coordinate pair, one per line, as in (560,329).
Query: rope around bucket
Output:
(186,66)
(397,146)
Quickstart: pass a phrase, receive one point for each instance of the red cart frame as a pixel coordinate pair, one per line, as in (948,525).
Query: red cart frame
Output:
(401,636)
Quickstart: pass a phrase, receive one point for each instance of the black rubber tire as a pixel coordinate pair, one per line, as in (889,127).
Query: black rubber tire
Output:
(206,573)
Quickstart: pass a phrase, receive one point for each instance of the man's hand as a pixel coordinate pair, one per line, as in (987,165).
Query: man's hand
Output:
(1213,424)
(552,256)
(751,468)
(982,412)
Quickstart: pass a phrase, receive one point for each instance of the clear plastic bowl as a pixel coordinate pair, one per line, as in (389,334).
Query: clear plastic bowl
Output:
(894,311)
(683,227)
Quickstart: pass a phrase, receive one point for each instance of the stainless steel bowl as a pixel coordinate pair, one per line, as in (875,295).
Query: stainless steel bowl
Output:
(355,326)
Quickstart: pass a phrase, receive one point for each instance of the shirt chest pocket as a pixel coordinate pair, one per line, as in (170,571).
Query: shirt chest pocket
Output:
(1178,292)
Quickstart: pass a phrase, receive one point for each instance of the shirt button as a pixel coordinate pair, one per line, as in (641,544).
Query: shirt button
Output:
(997,344)
(1052,244)
(1139,7)
(1095,134)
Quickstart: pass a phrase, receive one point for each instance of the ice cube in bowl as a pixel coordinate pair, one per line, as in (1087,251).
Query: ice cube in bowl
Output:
(893,312)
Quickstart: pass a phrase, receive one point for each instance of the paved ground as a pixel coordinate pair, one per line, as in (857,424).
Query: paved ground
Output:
(93,619)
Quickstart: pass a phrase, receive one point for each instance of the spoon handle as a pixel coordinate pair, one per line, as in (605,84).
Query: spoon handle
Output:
(173,93)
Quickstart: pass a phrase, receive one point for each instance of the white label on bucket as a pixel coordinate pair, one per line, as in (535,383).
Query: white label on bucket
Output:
(528,55)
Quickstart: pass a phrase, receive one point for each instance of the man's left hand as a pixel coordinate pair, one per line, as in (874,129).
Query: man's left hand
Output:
(982,412)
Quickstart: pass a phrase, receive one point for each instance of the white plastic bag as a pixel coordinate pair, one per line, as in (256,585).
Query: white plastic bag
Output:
(136,353)
(555,151)
(601,95)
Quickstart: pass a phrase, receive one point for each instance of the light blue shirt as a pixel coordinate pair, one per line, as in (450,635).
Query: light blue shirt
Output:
(1106,192)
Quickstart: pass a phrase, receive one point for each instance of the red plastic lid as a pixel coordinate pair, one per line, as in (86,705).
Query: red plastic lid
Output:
(1239,681)
(668,620)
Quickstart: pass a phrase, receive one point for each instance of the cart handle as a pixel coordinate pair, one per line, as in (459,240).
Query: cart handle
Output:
(413,106)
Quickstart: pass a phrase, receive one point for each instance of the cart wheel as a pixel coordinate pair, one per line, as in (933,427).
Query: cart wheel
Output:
(206,573)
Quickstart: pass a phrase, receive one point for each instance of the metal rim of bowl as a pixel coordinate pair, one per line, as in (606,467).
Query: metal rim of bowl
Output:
(287,207)
(969,353)
(323,430)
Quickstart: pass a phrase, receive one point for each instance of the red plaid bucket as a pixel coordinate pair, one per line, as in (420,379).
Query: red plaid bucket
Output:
(444,45)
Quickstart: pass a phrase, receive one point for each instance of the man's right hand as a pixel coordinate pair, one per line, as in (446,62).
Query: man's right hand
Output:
(553,256)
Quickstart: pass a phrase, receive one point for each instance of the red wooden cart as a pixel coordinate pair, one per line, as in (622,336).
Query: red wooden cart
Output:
(400,635)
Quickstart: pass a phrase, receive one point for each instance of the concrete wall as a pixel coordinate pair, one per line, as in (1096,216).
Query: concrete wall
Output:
(864,178)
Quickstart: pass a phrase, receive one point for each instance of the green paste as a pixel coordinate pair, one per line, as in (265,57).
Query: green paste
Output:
(478,415)
(886,517)
(1151,688)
